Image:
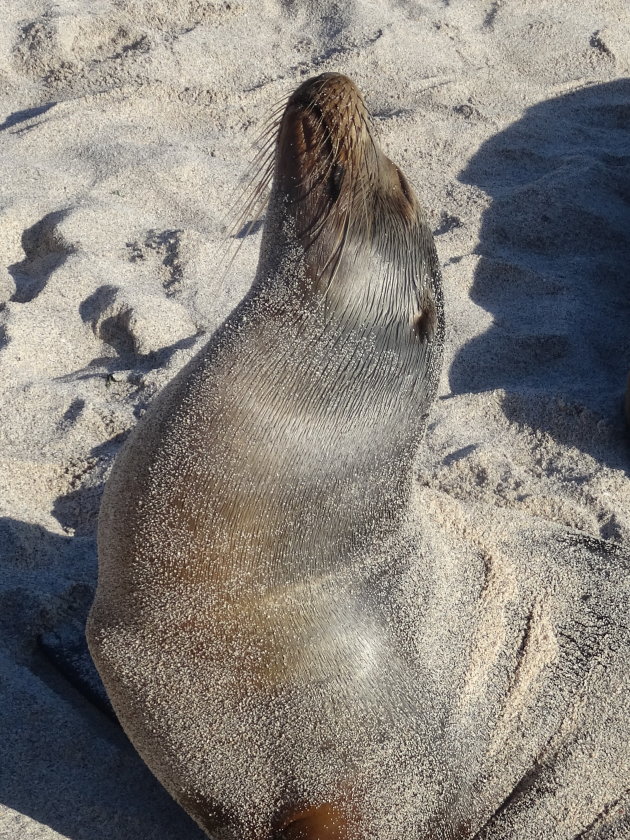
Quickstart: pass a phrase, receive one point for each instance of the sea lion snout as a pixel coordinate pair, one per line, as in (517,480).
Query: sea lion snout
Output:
(325,134)
(326,90)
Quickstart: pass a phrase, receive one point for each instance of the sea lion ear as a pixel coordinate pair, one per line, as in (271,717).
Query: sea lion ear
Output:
(320,822)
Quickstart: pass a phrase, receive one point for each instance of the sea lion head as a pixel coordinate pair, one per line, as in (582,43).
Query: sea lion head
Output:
(327,155)
(343,200)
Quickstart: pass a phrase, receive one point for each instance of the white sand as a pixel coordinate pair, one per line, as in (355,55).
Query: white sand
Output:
(124,127)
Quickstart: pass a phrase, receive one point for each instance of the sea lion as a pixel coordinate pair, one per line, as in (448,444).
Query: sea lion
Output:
(231,626)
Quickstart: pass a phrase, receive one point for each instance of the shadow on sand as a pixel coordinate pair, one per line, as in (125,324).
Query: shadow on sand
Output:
(555,252)
(65,764)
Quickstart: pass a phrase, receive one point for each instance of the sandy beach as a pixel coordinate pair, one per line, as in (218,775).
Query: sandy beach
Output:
(126,128)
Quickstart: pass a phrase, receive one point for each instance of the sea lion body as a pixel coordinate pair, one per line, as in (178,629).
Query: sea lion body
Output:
(231,627)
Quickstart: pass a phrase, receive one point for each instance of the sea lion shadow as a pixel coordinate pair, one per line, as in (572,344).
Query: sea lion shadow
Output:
(65,764)
(554,247)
